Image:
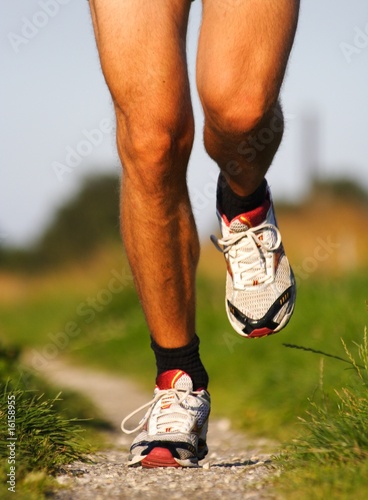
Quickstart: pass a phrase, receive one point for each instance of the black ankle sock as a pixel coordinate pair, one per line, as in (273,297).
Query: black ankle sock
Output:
(232,204)
(183,358)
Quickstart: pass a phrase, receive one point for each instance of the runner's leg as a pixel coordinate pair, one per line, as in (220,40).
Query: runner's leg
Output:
(243,51)
(142,50)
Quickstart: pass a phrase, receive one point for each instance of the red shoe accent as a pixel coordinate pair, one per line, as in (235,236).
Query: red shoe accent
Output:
(159,457)
(168,379)
(261,332)
(252,218)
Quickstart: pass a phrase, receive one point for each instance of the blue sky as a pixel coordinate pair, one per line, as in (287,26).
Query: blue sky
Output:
(57,120)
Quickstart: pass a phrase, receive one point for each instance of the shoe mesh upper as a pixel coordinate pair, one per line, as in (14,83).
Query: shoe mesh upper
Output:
(258,269)
(177,415)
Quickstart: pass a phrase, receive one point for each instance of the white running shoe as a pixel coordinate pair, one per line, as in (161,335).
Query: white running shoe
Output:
(260,284)
(174,429)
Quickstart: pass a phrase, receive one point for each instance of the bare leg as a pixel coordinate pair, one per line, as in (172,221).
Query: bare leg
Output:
(142,50)
(243,51)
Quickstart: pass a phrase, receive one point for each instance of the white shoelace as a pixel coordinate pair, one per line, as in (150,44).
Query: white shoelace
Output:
(245,243)
(173,396)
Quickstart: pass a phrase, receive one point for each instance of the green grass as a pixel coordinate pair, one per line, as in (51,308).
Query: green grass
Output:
(338,481)
(50,429)
(263,385)
(41,315)
(330,456)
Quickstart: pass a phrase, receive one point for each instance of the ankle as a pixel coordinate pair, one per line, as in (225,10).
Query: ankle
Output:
(184,358)
(231,204)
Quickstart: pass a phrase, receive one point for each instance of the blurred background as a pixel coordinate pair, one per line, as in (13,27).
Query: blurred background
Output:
(61,259)
(53,97)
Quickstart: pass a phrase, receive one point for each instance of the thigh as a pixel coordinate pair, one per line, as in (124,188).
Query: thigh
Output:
(141,44)
(245,44)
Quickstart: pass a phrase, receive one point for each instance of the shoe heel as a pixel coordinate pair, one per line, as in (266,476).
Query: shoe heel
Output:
(159,457)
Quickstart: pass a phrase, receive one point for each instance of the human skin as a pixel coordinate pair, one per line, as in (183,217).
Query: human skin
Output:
(242,55)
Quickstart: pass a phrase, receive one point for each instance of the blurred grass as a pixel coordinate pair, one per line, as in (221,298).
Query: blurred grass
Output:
(338,481)
(263,385)
(260,384)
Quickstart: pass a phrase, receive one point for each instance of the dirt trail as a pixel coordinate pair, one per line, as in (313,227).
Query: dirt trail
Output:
(236,467)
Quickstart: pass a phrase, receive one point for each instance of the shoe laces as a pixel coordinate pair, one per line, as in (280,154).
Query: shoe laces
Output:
(173,398)
(248,251)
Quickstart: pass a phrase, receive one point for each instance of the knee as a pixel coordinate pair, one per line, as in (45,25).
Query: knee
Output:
(155,147)
(234,112)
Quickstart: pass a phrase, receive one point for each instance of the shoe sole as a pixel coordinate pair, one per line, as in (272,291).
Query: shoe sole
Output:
(261,332)
(162,457)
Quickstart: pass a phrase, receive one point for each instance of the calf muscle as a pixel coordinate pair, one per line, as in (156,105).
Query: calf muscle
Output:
(142,51)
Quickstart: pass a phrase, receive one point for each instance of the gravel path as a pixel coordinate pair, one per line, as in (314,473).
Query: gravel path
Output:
(236,467)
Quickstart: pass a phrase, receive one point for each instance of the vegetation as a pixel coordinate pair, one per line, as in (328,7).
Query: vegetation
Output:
(81,226)
(265,386)
(43,431)
(262,385)
(331,455)
(339,189)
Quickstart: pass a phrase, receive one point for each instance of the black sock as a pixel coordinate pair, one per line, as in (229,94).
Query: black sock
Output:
(232,204)
(182,358)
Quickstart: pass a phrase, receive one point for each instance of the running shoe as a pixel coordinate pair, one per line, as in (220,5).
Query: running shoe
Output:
(260,284)
(174,429)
